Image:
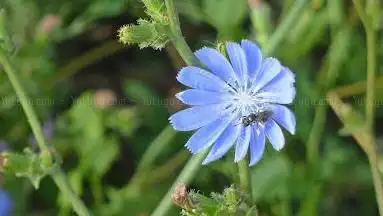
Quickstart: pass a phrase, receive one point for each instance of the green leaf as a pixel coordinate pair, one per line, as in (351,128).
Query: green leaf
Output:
(225,14)
(252,211)
(124,120)
(191,10)
(104,8)
(86,119)
(338,53)
(148,103)
(27,164)
(353,121)
(270,178)
(261,21)
(306,36)
(5,38)
(156,10)
(205,204)
(102,155)
(96,151)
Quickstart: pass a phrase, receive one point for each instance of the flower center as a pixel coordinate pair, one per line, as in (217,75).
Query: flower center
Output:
(244,102)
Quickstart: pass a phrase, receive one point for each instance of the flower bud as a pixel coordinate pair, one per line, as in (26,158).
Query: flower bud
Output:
(145,34)
(181,197)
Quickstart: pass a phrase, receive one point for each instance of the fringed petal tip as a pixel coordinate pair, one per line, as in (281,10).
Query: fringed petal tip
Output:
(170,119)
(179,96)
(189,148)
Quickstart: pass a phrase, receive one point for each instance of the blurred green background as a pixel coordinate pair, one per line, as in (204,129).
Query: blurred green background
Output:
(103,104)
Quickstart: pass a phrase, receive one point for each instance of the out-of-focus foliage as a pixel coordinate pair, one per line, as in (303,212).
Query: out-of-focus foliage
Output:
(103,137)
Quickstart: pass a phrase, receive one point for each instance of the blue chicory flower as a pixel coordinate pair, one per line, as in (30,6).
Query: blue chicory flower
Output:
(239,103)
(5,204)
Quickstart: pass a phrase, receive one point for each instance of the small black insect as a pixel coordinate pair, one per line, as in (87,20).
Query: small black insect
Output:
(260,117)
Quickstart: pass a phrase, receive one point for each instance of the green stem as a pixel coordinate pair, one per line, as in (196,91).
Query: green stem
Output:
(378,183)
(287,23)
(176,35)
(244,177)
(370,96)
(309,205)
(24,100)
(186,176)
(79,63)
(371,68)
(155,148)
(370,116)
(143,178)
(316,133)
(62,183)
(56,174)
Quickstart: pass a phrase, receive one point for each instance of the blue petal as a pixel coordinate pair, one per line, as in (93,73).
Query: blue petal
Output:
(5,204)
(201,97)
(207,135)
(284,117)
(253,56)
(217,63)
(242,143)
(238,60)
(257,145)
(270,69)
(223,144)
(196,117)
(281,89)
(285,96)
(198,78)
(275,135)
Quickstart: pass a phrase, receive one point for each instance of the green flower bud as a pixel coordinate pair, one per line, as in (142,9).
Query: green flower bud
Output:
(145,34)
(27,164)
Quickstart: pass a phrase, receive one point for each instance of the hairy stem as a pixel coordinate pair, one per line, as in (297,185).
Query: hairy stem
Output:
(57,175)
(244,177)
(176,35)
